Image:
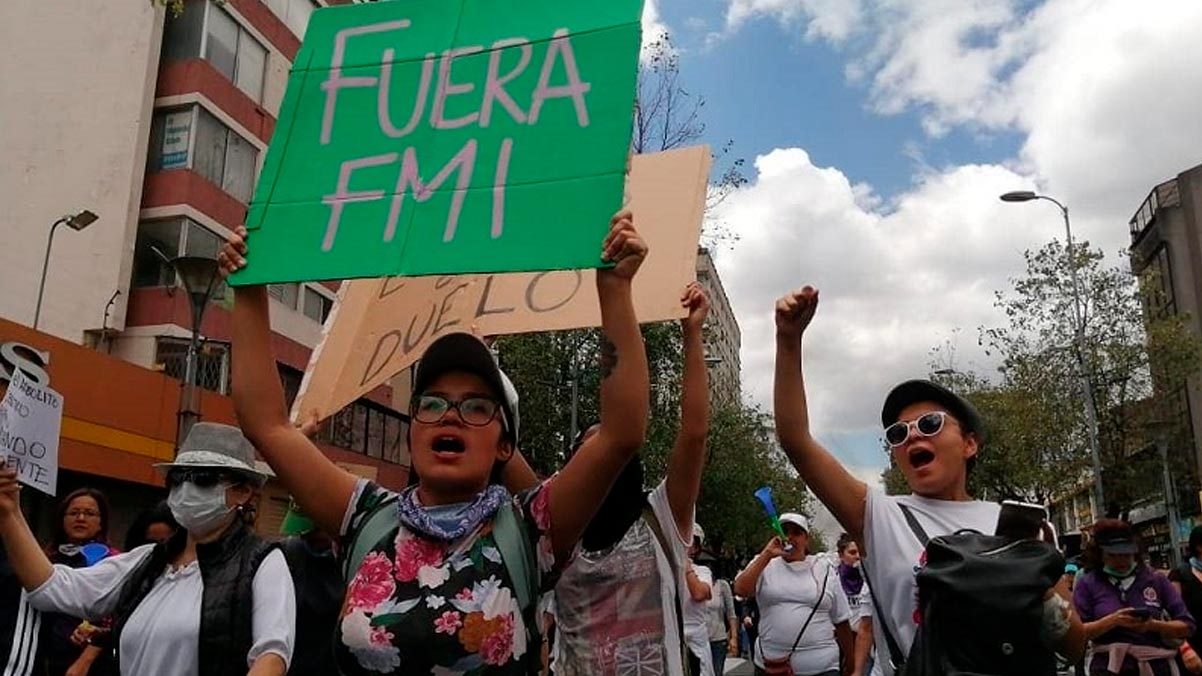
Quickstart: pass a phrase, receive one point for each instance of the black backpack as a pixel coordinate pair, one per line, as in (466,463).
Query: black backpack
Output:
(981,598)
(981,602)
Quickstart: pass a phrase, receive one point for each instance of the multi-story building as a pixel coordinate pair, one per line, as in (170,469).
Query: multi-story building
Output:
(722,336)
(1166,241)
(157,122)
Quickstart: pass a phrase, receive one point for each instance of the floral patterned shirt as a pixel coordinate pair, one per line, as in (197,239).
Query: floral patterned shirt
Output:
(423,606)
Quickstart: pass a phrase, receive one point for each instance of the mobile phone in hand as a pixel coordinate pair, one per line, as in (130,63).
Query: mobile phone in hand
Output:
(1023,521)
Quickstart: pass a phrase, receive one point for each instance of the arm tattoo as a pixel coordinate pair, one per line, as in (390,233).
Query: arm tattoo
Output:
(609,357)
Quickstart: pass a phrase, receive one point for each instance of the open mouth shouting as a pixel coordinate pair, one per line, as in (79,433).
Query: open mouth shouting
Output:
(448,446)
(920,457)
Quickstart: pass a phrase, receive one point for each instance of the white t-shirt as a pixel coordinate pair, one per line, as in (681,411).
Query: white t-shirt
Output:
(894,555)
(616,610)
(787,592)
(696,625)
(867,612)
(162,635)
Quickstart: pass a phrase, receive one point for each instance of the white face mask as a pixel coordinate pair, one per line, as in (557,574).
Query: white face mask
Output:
(199,510)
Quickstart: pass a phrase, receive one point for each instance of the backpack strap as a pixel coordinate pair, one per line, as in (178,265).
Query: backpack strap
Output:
(377,524)
(658,530)
(915,527)
(896,658)
(512,539)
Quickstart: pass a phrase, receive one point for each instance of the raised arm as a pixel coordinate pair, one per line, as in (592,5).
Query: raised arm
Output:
(517,475)
(688,453)
(581,486)
(748,578)
(321,488)
(841,492)
(27,559)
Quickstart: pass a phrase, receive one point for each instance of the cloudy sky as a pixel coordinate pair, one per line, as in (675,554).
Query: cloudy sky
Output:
(878,135)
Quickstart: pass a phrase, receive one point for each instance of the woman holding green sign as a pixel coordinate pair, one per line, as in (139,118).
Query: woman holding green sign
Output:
(442,577)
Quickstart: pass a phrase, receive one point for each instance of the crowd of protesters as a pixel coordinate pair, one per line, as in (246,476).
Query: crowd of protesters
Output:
(482,567)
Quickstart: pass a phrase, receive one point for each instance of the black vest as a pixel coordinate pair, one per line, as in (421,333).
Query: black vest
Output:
(227,567)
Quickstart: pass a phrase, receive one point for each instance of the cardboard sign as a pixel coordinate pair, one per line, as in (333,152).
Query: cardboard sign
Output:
(446,136)
(381,326)
(30,417)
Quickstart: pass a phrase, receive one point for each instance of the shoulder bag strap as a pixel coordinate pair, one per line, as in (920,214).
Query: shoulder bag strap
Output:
(915,527)
(813,611)
(382,519)
(657,530)
(896,658)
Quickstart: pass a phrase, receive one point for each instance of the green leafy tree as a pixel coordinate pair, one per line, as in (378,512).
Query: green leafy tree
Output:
(742,457)
(742,451)
(1038,445)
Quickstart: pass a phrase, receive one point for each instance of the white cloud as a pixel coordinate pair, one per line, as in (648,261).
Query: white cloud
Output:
(655,31)
(892,285)
(1107,100)
(826,19)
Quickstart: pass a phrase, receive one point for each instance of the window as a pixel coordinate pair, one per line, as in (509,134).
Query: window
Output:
(314,304)
(235,52)
(224,157)
(170,139)
(183,35)
(221,41)
(291,379)
(294,13)
(212,362)
(317,307)
(192,138)
(368,428)
(393,440)
(285,293)
(252,61)
(206,30)
(363,426)
(172,237)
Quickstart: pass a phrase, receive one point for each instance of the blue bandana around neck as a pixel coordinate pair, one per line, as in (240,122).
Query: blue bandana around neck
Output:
(449,522)
(1195,563)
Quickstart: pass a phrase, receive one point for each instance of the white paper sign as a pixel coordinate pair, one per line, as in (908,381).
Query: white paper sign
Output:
(30,417)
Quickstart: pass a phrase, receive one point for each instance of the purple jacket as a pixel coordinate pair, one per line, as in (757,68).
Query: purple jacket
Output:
(1095,597)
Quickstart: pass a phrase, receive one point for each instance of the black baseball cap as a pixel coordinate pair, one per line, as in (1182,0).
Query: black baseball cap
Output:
(464,352)
(911,391)
(1117,539)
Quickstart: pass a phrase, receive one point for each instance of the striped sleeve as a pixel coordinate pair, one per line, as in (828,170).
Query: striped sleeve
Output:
(24,650)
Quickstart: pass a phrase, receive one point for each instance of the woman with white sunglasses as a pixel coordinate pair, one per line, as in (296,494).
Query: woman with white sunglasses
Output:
(933,435)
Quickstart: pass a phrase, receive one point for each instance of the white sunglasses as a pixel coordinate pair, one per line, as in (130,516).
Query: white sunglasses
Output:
(927,424)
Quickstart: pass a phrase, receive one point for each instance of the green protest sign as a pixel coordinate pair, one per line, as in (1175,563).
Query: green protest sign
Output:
(424,137)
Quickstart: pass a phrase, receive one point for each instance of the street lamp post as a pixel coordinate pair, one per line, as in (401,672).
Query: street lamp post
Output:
(575,420)
(1091,412)
(199,277)
(77,221)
